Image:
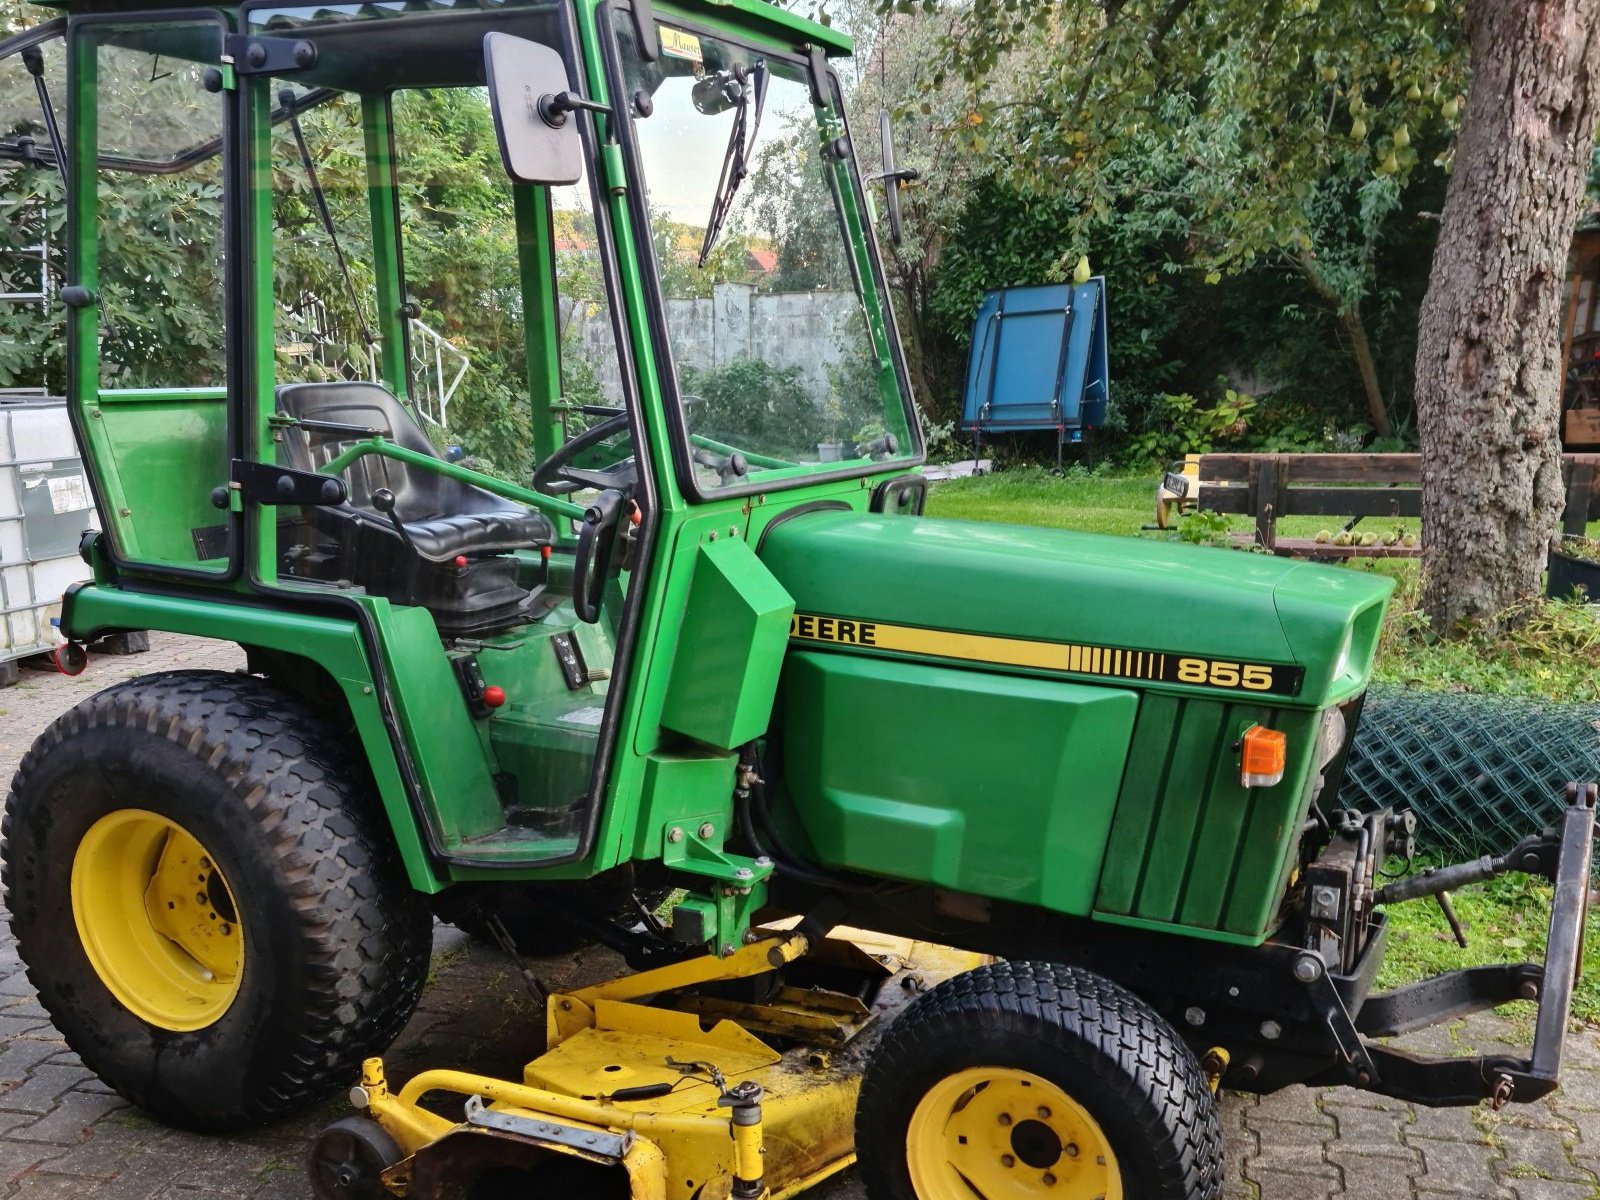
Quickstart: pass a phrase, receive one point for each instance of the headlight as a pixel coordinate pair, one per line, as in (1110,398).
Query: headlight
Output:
(1343,660)
(1330,738)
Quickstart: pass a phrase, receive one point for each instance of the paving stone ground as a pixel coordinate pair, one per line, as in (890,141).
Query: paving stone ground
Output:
(64,1134)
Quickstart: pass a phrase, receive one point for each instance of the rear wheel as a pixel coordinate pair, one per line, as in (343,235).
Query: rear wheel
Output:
(207,899)
(1036,1080)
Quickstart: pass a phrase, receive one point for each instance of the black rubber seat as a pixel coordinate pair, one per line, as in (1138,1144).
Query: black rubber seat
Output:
(443,517)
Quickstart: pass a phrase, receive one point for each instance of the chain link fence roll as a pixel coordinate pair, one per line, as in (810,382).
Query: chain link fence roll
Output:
(1480,772)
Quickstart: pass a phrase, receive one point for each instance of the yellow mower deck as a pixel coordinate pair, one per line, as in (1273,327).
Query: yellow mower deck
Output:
(693,1096)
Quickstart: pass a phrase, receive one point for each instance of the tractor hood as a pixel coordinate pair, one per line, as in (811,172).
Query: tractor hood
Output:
(1080,603)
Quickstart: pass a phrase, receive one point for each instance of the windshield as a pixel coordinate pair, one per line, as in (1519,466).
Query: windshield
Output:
(779,371)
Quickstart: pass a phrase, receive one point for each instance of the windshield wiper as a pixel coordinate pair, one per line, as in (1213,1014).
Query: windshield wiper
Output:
(736,159)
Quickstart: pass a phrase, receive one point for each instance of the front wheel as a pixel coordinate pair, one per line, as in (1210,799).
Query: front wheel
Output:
(207,899)
(1022,1080)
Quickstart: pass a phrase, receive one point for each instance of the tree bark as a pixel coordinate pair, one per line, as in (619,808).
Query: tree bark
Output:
(1488,373)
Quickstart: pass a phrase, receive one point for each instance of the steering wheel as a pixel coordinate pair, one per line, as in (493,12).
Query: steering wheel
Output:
(556,476)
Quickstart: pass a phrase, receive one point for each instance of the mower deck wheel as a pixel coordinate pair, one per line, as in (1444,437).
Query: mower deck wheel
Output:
(348,1159)
(1021,1080)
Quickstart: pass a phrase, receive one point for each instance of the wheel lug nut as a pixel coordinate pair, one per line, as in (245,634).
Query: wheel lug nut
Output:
(225,929)
(1007,1161)
(200,898)
(1005,1118)
(205,864)
(1049,1179)
(1044,1113)
(1071,1149)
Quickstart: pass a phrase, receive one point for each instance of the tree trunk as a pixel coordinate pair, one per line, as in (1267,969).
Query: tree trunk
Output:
(1488,372)
(1355,330)
(1361,350)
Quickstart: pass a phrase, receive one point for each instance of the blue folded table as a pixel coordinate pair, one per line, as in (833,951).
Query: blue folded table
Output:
(1039,362)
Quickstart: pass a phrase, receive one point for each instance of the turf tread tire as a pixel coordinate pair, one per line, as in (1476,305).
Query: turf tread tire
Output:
(349,936)
(1148,1092)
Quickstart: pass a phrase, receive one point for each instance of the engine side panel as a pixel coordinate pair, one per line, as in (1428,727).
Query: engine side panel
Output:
(995,785)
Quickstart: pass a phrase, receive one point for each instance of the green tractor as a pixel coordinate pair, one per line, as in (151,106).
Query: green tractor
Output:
(683,669)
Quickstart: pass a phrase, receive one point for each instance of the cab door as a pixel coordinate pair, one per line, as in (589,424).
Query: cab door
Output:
(149,362)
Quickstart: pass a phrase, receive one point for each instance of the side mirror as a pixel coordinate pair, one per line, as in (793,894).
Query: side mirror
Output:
(894,177)
(529,96)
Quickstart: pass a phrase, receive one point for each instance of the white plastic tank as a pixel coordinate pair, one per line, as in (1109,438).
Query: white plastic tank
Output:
(45,506)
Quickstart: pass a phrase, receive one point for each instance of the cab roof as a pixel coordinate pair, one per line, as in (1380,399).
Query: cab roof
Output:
(749,13)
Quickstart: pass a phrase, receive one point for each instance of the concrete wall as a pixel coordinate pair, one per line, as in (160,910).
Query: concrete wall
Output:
(785,329)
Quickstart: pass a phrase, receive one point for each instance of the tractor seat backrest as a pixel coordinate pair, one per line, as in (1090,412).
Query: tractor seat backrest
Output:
(419,493)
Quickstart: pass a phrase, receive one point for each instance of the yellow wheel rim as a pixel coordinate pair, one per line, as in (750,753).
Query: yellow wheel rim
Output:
(157,920)
(999,1133)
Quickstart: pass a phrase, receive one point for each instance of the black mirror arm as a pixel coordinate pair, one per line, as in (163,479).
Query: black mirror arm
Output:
(554,107)
(899,175)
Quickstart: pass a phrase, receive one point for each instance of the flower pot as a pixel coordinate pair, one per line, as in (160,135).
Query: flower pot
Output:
(1569,573)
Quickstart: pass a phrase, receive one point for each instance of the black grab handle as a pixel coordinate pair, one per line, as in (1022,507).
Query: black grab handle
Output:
(591,566)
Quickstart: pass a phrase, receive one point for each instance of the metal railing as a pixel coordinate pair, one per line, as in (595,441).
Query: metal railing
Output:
(437,365)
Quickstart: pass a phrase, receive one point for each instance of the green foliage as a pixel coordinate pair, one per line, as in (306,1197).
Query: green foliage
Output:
(160,260)
(752,405)
(32,337)
(1162,332)
(1543,649)
(1184,425)
(792,209)
(1204,528)
(1258,125)
(1249,178)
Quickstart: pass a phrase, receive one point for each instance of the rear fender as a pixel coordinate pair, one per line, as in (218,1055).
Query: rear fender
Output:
(330,646)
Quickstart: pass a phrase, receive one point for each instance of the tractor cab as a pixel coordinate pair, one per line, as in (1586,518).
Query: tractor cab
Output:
(468,344)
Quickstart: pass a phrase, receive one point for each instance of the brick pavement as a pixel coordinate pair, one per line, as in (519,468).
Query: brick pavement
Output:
(64,1134)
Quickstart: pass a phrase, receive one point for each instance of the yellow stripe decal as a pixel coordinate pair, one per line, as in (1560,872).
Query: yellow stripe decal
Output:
(1076,659)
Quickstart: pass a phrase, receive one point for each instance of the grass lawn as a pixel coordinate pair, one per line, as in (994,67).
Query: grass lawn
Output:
(1553,655)
(1120,504)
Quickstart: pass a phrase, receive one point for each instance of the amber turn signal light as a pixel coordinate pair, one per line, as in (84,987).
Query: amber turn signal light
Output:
(1263,755)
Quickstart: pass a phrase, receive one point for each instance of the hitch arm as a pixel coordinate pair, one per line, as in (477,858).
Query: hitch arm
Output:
(1537,854)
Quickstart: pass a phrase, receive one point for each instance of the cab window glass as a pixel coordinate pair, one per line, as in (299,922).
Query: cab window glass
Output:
(778,370)
(160,234)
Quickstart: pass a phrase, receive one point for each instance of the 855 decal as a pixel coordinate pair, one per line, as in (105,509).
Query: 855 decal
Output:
(1234,676)
(1108,662)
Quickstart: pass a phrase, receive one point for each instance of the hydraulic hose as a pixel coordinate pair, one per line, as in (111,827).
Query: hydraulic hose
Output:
(755,812)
